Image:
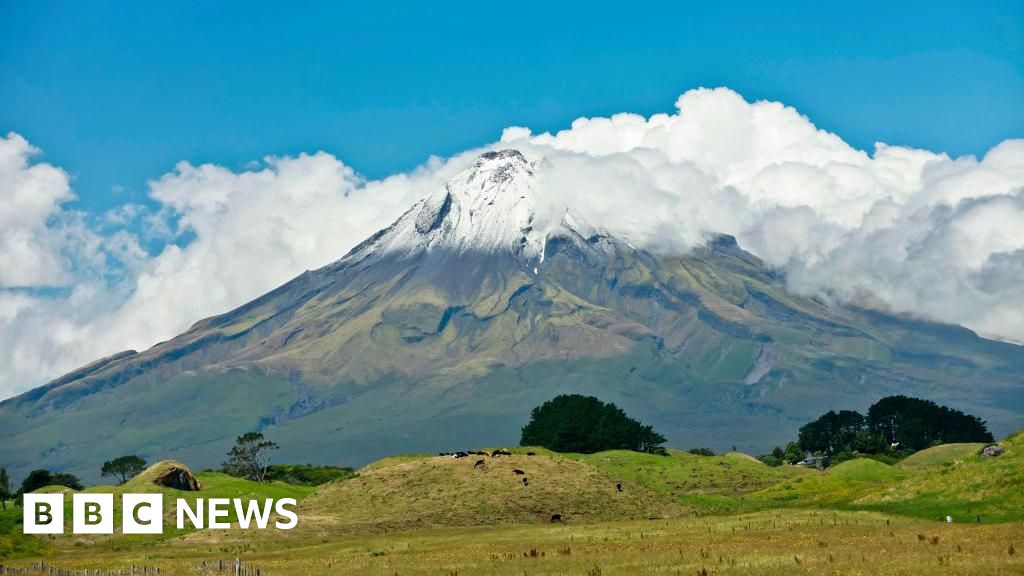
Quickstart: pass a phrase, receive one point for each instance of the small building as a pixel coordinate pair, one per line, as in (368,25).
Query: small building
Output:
(812,461)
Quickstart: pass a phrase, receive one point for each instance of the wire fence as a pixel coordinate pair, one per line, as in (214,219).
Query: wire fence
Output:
(234,566)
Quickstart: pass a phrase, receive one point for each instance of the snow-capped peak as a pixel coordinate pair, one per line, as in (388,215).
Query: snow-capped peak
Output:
(488,207)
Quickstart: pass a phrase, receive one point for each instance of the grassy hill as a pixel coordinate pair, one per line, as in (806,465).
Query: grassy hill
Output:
(836,486)
(959,483)
(704,484)
(938,455)
(412,492)
(421,514)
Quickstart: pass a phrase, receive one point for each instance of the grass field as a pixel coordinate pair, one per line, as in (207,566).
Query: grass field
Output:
(766,542)
(676,514)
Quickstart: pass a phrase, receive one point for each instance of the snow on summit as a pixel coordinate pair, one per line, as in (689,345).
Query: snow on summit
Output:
(488,207)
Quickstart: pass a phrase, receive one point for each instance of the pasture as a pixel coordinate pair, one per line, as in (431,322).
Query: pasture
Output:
(620,512)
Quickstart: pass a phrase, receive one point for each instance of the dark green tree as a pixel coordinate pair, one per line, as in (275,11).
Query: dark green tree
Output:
(5,488)
(124,467)
(773,458)
(832,432)
(576,423)
(250,457)
(37,479)
(915,424)
(69,480)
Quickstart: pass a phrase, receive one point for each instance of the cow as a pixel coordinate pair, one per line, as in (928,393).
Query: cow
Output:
(556,518)
(500,452)
(479,464)
(526,481)
(518,472)
(459,455)
(618,487)
(531,454)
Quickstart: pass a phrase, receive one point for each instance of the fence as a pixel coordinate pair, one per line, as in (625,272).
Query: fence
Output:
(44,568)
(235,567)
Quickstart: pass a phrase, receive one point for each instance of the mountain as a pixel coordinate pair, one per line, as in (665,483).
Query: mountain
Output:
(444,330)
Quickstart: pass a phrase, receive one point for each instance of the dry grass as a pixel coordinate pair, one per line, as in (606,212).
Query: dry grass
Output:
(444,491)
(763,543)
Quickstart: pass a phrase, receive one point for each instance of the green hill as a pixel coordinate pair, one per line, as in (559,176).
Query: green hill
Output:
(707,484)
(938,455)
(838,485)
(965,486)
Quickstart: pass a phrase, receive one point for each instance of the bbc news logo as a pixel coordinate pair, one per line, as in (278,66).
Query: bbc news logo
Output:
(144,513)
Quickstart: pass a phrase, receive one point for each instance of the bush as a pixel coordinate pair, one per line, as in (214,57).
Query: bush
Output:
(308,474)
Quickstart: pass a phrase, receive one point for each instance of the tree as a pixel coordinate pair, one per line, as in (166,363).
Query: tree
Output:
(66,479)
(916,424)
(793,453)
(250,457)
(124,467)
(37,479)
(832,432)
(575,423)
(5,488)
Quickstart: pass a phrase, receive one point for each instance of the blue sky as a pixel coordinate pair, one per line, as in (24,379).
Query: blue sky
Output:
(116,93)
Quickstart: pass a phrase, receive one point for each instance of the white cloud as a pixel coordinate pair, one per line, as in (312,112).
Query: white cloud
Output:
(922,232)
(31,194)
(917,231)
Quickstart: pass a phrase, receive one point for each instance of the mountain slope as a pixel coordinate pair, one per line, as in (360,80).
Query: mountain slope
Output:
(445,328)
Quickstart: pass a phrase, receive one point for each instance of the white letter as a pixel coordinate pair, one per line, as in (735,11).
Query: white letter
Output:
(43,514)
(195,517)
(252,510)
(92,514)
(294,518)
(142,514)
(218,508)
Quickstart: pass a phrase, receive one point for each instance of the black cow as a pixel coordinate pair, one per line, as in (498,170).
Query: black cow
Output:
(460,455)
(526,481)
(618,487)
(478,464)
(530,454)
(500,452)
(556,518)
(518,472)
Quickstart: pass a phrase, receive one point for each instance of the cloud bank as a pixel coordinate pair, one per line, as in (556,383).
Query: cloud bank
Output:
(909,230)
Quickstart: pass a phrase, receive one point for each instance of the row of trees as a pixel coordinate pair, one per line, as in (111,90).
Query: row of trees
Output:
(123,468)
(249,458)
(894,426)
(35,480)
(575,423)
